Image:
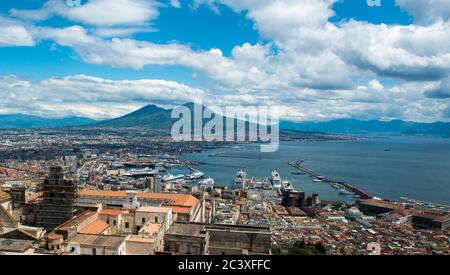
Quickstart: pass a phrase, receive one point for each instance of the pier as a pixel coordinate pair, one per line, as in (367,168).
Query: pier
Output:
(336,184)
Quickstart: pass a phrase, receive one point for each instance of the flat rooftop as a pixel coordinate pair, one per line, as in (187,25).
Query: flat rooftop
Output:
(242,228)
(151,228)
(94,240)
(10,245)
(187,229)
(382,204)
(433,215)
(141,240)
(153,209)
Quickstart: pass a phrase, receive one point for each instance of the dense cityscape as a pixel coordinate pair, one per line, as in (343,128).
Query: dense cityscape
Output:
(224,135)
(114,192)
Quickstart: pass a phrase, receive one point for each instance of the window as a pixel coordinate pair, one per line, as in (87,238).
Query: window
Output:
(114,222)
(156,219)
(143,220)
(94,251)
(127,225)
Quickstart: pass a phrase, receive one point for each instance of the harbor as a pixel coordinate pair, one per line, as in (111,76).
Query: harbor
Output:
(343,187)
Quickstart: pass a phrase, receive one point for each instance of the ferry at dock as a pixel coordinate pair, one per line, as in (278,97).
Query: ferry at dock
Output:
(195,174)
(276,180)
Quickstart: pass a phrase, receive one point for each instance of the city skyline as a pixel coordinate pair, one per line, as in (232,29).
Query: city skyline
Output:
(318,60)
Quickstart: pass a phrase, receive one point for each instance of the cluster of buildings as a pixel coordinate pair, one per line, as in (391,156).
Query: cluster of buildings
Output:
(109,193)
(61,219)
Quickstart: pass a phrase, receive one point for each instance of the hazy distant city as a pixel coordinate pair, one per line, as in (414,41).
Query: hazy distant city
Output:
(323,128)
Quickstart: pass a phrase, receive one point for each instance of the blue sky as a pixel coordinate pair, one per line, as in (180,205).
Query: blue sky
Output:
(288,52)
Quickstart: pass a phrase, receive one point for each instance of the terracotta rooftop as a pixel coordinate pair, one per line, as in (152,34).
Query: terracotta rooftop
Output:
(54,236)
(178,199)
(75,221)
(96,227)
(178,209)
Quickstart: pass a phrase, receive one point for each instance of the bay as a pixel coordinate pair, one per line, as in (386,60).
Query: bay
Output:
(387,167)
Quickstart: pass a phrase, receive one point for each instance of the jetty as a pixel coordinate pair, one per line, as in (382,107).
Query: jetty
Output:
(334,183)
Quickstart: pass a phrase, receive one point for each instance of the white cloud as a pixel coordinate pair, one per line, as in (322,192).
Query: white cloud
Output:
(427,11)
(89,96)
(96,12)
(100,98)
(13,33)
(175,3)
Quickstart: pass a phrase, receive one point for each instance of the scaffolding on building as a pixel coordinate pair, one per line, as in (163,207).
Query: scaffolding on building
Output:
(58,203)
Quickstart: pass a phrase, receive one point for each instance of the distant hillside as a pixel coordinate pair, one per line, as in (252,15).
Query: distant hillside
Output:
(156,118)
(14,121)
(150,116)
(352,126)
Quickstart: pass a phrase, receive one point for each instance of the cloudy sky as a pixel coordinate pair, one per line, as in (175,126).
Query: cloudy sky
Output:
(316,59)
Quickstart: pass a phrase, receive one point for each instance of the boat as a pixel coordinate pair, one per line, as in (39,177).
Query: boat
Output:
(170,177)
(286,186)
(240,179)
(343,191)
(209,181)
(276,180)
(319,179)
(140,172)
(195,175)
(298,173)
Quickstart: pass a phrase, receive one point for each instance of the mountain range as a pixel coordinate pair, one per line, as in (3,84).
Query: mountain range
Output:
(353,126)
(154,117)
(20,121)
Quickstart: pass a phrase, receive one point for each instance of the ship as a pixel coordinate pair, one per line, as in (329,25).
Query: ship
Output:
(195,174)
(240,179)
(275,180)
(140,173)
(286,186)
(170,177)
(319,179)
